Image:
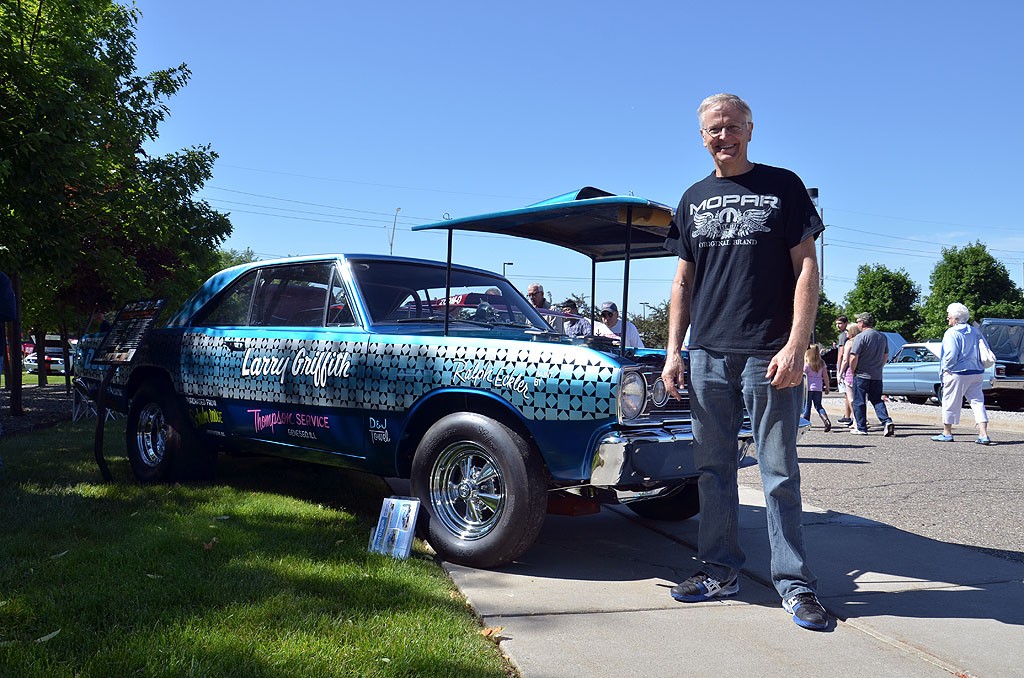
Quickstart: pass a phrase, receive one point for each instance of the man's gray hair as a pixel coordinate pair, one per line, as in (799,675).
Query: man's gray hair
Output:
(723,100)
(958,312)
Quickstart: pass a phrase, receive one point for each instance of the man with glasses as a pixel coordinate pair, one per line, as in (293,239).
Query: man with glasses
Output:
(841,324)
(746,285)
(535,293)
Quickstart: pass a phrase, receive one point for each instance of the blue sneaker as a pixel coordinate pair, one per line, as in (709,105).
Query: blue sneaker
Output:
(983,440)
(942,438)
(703,586)
(807,611)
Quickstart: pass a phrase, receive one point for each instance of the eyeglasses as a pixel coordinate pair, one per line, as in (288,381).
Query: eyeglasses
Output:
(536,292)
(731,130)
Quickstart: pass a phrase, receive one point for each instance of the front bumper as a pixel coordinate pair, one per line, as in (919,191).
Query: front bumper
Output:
(649,457)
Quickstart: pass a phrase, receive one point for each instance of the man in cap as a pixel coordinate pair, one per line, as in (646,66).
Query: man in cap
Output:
(611,326)
(869,353)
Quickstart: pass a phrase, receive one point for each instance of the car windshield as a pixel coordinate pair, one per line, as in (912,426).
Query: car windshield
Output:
(402,291)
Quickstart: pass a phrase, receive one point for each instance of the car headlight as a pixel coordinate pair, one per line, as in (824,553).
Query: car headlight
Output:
(632,394)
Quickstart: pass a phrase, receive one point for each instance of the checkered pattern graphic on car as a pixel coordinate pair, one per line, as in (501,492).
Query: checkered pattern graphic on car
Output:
(542,381)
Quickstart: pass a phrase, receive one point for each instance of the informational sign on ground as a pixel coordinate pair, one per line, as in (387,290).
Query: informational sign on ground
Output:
(395,527)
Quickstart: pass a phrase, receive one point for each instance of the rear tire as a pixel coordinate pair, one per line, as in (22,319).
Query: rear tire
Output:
(682,505)
(162,444)
(483,490)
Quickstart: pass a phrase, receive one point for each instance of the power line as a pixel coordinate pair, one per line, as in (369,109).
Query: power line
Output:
(368,183)
(313,204)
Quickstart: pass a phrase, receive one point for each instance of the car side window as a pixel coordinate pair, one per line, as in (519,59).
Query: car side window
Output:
(292,296)
(232,307)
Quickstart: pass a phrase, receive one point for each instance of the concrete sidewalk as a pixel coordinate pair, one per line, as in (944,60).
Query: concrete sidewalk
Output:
(592,598)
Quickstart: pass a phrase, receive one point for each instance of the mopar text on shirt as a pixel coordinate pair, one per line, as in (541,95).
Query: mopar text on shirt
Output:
(717,201)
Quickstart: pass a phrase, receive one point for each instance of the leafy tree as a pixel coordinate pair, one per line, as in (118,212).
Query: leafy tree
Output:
(89,218)
(973,277)
(654,327)
(890,296)
(229,258)
(825,331)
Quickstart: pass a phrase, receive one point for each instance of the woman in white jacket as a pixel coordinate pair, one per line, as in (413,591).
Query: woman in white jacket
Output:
(962,374)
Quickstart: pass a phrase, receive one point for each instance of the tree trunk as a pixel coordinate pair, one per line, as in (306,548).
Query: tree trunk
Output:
(17,404)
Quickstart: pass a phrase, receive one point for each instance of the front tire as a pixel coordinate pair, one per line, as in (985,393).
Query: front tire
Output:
(679,506)
(162,444)
(483,490)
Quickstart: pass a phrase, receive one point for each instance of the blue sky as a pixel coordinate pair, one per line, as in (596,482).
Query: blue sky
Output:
(330,116)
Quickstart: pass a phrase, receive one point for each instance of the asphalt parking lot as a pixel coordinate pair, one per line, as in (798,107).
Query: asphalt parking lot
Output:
(957,492)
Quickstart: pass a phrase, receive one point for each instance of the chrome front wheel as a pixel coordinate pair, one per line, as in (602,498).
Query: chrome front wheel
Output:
(467,490)
(483,489)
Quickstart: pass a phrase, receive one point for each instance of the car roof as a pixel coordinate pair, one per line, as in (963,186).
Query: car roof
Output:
(218,281)
(593,222)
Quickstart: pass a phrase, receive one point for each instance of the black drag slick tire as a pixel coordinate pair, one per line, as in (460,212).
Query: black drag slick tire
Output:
(162,445)
(682,505)
(482,490)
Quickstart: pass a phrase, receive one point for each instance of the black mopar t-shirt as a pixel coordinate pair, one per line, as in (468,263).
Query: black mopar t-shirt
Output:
(738,231)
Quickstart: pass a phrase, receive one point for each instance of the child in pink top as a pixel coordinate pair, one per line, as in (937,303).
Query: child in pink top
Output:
(817,383)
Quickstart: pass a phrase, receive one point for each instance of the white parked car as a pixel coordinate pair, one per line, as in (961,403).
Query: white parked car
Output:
(54,361)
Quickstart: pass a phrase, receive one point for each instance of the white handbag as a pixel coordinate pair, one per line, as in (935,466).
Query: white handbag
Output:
(988,358)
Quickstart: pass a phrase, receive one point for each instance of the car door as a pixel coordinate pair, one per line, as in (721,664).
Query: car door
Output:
(926,372)
(899,372)
(282,378)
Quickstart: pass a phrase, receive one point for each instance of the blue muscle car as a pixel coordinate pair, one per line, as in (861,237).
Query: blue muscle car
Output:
(439,373)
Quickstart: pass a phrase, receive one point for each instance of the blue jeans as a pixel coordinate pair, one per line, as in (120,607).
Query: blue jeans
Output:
(720,386)
(813,399)
(871,389)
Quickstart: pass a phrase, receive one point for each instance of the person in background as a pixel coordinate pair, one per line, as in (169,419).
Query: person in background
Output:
(535,293)
(842,322)
(869,353)
(817,383)
(845,376)
(576,326)
(962,374)
(98,322)
(746,283)
(611,326)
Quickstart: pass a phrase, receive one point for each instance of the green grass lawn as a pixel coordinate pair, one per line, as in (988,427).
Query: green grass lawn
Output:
(263,573)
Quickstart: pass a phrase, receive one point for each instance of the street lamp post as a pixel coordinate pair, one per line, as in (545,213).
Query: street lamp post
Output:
(503,265)
(646,308)
(813,193)
(391,236)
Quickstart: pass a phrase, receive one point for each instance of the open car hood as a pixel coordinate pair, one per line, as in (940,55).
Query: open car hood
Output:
(590,221)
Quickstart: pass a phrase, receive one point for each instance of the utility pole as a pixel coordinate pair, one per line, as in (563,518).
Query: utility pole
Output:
(507,263)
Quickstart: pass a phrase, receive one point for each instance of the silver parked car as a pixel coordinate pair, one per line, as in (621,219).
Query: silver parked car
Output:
(914,372)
